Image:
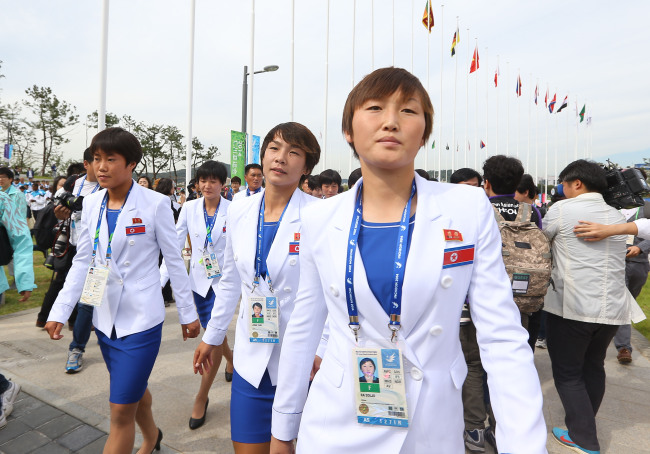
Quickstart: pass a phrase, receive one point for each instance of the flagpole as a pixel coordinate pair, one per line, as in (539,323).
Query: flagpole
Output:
(476,148)
(537,137)
(518,110)
(466,104)
(575,150)
(426,147)
(291,76)
(496,143)
(412,14)
(453,150)
(442,37)
(103,70)
(251,66)
(546,155)
(567,133)
(557,142)
(508,110)
(354,25)
(188,154)
(372,33)
(487,104)
(393,64)
(529,126)
(327,50)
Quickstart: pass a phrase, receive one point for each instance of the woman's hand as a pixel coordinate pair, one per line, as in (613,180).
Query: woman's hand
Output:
(203,358)
(281,447)
(191,330)
(54,330)
(315,367)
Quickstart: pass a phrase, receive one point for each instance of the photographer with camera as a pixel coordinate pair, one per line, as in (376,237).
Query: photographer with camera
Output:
(68,208)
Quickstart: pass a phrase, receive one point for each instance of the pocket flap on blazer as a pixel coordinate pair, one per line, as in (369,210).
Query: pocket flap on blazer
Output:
(458,371)
(333,371)
(147,281)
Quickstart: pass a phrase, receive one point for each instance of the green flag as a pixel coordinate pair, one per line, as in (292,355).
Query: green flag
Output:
(582,113)
(433,145)
(237,154)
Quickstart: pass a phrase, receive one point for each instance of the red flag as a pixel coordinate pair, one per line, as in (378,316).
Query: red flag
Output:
(496,77)
(546,99)
(427,17)
(482,144)
(474,65)
(518,85)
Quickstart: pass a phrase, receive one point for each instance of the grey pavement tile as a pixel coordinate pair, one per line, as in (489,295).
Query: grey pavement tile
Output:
(59,426)
(13,429)
(96,447)
(40,415)
(80,437)
(52,448)
(25,406)
(27,442)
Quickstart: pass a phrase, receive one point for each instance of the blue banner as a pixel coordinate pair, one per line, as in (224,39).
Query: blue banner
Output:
(9,149)
(255,150)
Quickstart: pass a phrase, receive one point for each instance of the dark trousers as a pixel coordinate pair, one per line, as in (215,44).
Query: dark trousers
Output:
(55,287)
(577,351)
(4,384)
(475,395)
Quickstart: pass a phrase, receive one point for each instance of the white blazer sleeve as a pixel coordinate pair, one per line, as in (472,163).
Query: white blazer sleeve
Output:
(301,339)
(227,293)
(644,227)
(515,391)
(167,240)
(69,296)
(181,233)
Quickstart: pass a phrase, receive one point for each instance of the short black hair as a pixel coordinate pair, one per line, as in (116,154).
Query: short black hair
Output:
(6,171)
(212,169)
(589,173)
(55,183)
(329,176)
(527,186)
(423,173)
(354,177)
(465,174)
(367,360)
(503,173)
(75,169)
(165,186)
(88,155)
(235,179)
(120,141)
(252,166)
(297,135)
(313,182)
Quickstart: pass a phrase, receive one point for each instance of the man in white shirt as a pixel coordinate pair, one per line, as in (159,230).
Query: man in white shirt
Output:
(586,303)
(253,176)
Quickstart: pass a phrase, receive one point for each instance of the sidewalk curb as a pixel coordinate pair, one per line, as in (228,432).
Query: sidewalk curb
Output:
(640,343)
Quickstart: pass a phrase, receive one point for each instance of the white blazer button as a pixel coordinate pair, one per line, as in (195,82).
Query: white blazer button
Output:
(287,289)
(436,330)
(292,262)
(235,257)
(416,374)
(127,263)
(121,282)
(223,236)
(131,242)
(446,281)
(334,291)
(196,234)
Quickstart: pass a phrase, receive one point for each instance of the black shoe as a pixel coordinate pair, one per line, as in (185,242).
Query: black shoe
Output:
(196,423)
(157,447)
(228,376)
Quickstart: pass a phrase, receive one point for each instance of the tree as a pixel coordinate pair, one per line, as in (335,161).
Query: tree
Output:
(173,147)
(200,154)
(53,117)
(92,120)
(154,158)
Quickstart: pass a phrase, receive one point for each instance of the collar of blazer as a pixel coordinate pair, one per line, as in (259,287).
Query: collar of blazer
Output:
(279,251)
(423,264)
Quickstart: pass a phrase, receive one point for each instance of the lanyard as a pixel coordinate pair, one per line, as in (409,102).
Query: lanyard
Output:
(398,268)
(209,226)
(260,241)
(99,224)
(248,191)
(82,186)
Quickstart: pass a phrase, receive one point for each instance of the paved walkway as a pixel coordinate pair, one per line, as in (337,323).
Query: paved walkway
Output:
(60,413)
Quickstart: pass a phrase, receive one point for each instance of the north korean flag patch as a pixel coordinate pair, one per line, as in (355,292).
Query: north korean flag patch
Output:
(457,256)
(294,248)
(135,230)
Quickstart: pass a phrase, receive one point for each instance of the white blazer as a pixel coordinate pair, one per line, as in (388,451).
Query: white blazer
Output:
(191,221)
(434,364)
(241,195)
(133,301)
(252,359)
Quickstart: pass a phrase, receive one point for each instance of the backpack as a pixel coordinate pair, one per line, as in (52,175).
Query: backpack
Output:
(527,256)
(6,251)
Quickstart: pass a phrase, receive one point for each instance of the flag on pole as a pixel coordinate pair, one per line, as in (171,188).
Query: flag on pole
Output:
(482,144)
(582,113)
(536,92)
(447,146)
(496,77)
(427,17)
(551,105)
(564,104)
(518,85)
(546,99)
(454,42)
(474,65)
(433,145)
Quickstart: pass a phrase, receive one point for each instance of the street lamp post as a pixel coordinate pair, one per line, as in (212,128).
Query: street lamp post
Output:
(244,94)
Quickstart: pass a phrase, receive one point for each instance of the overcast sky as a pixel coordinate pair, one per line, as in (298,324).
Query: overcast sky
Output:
(594,52)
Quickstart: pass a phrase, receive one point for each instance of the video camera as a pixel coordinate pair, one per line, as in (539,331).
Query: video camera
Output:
(625,187)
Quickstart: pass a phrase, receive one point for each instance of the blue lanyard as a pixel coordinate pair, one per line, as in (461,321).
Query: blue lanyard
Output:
(398,268)
(260,241)
(99,224)
(82,186)
(248,191)
(209,225)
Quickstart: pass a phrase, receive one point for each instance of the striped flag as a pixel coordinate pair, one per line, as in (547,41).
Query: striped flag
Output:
(427,17)
(482,144)
(454,42)
(551,105)
(564,104)
(536,93)
(518,86)
(474,66)
(546,99)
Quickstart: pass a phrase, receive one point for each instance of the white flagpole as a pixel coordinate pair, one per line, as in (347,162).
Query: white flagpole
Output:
(476,148)
(487,104)
(575,150)
(412,15)
(426,145)
(101,114)
(327,50)
(354,25)
(372,33)
(546,156)
(251,68)
(496,142)
(188,154)
(442,38)
(466,104)
(453,151)
(567,132)
(557,141)
(518,112)
(291,77)
(508,105)
(393,64)
(537,136)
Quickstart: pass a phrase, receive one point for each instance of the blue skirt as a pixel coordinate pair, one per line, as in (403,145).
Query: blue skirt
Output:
(251,410)
(204,306)
(130,361)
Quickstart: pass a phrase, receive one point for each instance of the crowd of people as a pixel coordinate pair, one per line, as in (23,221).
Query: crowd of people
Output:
(394,313)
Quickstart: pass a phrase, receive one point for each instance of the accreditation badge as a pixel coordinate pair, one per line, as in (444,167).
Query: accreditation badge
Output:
(263,319)
(210,265)
(94,286)
(378,375)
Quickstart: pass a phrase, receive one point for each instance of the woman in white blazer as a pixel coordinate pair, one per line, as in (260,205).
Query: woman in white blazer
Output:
(434,244)
(289,151)
(120,236)
(204,221)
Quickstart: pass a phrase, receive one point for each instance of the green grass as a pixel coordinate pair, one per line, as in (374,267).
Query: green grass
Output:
(42,277)
(644,302)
